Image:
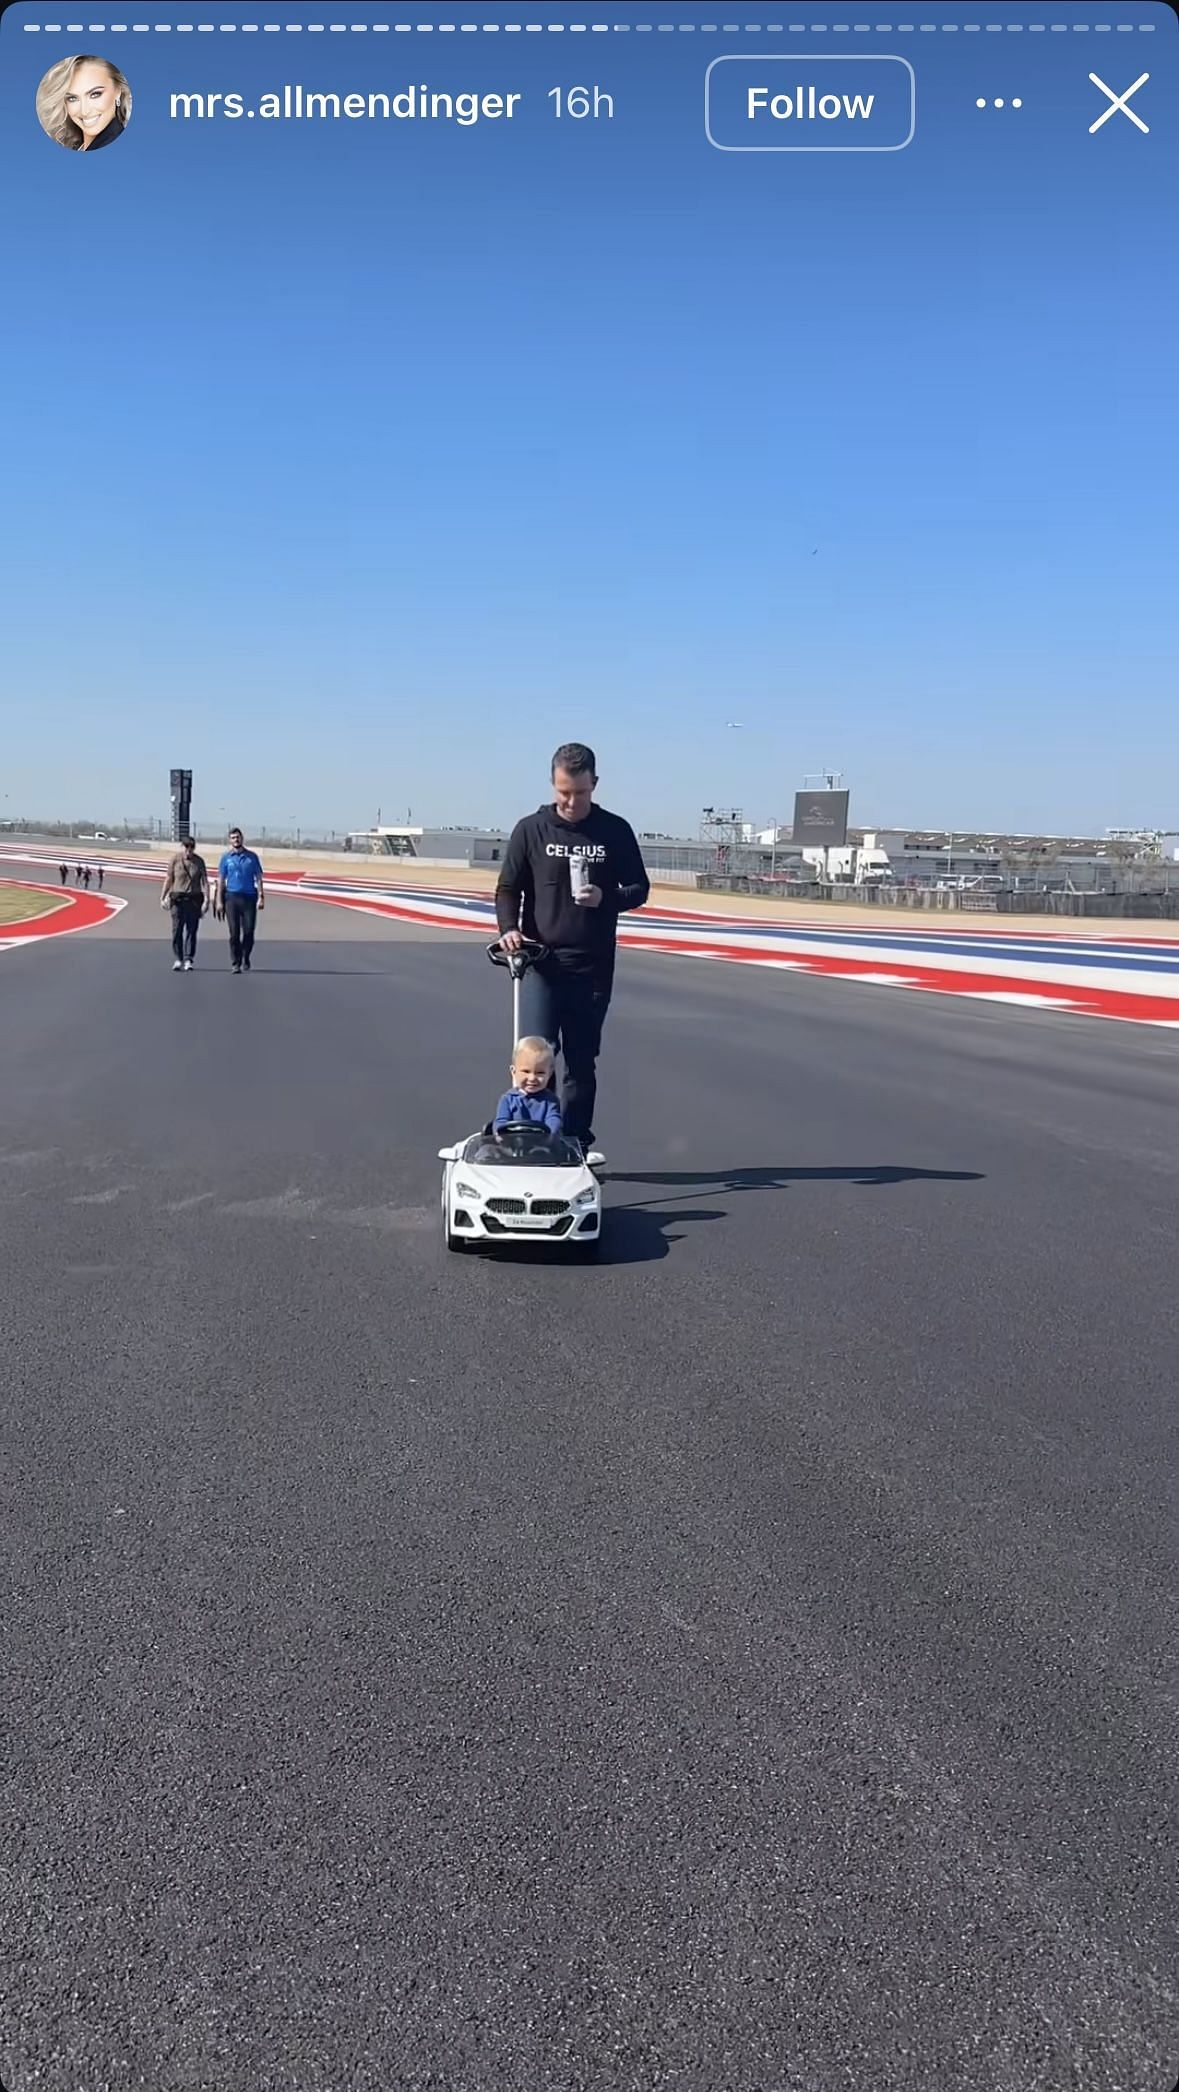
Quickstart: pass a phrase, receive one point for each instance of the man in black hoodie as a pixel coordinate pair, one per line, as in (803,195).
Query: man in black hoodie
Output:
(570,871)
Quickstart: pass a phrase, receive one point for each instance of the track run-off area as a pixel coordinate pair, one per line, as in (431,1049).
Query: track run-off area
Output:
(746,1664)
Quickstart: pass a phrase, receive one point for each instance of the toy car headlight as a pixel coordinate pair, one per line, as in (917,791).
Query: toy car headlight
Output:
(466,1191)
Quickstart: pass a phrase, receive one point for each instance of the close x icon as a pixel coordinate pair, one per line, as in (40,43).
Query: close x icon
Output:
(1119,103)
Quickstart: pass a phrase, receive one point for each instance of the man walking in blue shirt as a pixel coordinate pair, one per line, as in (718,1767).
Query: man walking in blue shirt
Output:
(240,895)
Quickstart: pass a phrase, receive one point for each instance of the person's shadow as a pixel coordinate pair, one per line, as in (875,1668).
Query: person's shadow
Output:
(768,1178)
(641,1231)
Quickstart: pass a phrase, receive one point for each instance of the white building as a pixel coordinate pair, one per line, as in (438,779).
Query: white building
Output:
(442,846)
(665,856)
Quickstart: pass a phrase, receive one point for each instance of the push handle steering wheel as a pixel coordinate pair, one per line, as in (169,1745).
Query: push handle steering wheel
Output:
(518,963)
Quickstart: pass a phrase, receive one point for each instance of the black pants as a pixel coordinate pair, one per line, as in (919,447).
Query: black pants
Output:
(186,916)
(241,913)
(569,1010)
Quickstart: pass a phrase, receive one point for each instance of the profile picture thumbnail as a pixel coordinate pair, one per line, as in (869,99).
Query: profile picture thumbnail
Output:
(84,103)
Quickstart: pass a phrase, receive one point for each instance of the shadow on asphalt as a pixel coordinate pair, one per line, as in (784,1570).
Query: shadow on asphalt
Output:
(641,1231)
(767,1179)
(630,1235)
(637,1235)
(329,973)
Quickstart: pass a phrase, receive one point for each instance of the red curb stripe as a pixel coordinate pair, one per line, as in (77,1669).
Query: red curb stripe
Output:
(890,922)
(1077,1001)
(1063,998)
(436,918)
(79,911)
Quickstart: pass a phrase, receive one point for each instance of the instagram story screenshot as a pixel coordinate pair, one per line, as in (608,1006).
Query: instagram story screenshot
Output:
(734,1662)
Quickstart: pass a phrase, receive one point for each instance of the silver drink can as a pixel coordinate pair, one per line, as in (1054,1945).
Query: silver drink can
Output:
(579,875)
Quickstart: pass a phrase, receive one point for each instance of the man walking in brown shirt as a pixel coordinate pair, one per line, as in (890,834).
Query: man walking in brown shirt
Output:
(186,892)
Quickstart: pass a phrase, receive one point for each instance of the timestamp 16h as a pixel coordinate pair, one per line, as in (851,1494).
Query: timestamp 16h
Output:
(581,102)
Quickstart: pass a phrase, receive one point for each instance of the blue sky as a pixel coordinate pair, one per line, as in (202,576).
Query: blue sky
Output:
(355,464)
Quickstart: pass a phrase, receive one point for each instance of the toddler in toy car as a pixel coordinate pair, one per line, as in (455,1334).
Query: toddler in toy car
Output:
(532,1097)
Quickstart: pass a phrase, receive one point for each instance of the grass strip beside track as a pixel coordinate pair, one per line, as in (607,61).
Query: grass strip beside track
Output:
(22,904)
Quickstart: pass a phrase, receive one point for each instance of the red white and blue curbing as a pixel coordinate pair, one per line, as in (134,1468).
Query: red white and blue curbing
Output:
(1132,978)
(1135,979)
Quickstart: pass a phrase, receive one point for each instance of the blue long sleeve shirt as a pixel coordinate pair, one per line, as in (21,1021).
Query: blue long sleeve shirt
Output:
(241,871)
(539,1109)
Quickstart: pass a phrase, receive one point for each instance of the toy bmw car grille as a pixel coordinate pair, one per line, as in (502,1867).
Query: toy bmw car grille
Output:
(550,1208)
(554,1227)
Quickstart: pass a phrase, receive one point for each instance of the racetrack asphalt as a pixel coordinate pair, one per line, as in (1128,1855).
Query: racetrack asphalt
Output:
(743,1665)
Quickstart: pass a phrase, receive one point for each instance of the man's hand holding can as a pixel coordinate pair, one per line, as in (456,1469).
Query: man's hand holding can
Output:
(585,893)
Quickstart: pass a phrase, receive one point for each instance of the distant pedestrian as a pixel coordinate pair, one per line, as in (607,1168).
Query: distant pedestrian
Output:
(186,892)
(86,875)
(65,872)
(77,875)
(240,894)
(101,876)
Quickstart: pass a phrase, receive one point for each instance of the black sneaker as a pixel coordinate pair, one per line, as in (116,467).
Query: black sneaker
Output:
(236,969)
(246,964)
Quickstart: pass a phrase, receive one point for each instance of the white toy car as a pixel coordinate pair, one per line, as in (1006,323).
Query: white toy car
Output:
(524,1184)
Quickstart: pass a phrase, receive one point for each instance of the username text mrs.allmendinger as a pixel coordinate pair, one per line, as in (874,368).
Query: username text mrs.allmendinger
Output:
(292,103)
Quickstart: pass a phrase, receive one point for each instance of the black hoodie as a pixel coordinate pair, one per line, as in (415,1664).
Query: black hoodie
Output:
(534,894)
